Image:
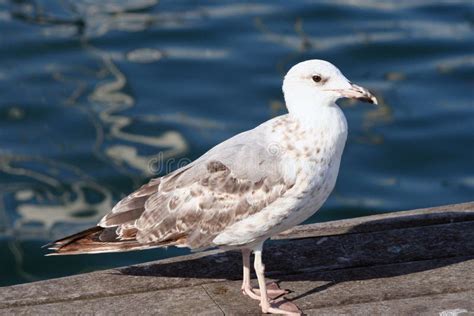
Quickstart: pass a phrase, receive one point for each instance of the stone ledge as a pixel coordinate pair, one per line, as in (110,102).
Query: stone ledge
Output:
(411,262)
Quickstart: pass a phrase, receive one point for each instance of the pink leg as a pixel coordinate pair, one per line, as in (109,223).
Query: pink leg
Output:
(273,290)
(285,308)
(246,286)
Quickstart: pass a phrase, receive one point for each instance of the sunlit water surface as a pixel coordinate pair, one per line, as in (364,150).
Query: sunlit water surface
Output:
(92,91)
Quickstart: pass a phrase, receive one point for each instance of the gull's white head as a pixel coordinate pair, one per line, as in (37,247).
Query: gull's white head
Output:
(319,83)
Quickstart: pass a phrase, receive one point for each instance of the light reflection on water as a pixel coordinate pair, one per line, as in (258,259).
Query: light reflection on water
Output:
(93,91)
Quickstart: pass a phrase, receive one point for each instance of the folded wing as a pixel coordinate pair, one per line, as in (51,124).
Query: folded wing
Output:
(192,205)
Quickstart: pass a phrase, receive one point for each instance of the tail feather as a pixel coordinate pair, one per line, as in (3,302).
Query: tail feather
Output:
(102,240)
(55,245)
(91,241)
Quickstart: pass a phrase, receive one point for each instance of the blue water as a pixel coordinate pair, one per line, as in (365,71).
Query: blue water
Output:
(97,96)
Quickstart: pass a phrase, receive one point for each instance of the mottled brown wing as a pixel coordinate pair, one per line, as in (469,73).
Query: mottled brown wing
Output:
(192,205)
(131,207)
(199,211)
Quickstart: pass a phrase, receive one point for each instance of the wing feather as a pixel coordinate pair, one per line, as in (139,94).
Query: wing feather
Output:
(232,181)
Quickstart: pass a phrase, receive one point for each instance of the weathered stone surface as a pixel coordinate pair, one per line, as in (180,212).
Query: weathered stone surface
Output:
(423,258)
(444,305)
(186,271)
(179,301)
(362,285)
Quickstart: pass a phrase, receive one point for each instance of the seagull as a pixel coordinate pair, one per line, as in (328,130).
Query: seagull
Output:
(244,190)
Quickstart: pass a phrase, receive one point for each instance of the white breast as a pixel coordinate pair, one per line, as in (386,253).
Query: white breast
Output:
(310,155)
(318,168)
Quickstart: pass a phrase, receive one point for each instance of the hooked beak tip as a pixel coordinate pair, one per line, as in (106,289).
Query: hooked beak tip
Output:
(361,94)
(369,99)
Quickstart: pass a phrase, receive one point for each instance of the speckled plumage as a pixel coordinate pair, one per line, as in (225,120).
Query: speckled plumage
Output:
(247,188)
(244,190)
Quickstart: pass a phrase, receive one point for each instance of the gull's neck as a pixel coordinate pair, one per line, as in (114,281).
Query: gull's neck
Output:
(315,111)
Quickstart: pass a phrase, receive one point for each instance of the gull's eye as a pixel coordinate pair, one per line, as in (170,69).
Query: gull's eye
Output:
(317,78)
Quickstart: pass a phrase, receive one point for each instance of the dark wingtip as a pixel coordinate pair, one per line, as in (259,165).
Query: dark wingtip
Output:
(56,245)
(366,99)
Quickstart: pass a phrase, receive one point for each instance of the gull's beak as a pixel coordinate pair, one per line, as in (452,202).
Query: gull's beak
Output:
(359,93)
